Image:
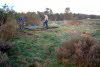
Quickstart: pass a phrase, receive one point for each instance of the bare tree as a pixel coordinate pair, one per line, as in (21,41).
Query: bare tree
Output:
(68,15)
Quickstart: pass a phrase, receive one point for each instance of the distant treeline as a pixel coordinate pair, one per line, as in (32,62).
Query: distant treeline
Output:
(60,16)
(34,18)
(68,16)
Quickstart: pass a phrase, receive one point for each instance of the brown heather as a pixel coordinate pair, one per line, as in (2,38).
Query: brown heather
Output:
(84,50)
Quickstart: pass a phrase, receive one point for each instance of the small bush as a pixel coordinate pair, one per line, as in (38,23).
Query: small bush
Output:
(3,17)
(4,60)
(84,50)
(4,46)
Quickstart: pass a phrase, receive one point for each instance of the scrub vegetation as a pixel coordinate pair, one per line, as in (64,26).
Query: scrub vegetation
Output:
(70,41)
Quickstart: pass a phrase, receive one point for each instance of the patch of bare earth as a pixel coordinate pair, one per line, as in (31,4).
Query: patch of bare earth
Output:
(71,22)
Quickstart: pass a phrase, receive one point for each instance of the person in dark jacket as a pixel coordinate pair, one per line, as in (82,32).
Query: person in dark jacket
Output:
(21,22)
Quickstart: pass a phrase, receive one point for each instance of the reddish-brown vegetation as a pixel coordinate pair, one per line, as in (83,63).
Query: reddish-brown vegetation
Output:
(71,22)
(84,50)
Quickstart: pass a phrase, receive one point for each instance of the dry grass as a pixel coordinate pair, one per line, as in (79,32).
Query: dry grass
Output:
(84,50)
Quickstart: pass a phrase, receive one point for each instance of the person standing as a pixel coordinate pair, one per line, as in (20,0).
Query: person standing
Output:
(45,23)
(21,22)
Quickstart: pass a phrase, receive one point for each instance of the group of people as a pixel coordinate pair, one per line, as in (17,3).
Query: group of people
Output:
(21,21)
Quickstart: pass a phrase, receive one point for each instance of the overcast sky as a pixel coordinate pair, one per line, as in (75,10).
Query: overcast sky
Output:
(58,6)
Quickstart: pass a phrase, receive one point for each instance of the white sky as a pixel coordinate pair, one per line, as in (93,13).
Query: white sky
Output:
(58,6)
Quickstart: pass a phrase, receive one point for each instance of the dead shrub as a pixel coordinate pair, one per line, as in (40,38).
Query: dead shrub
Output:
(32,19)
(84,50)
(8,29)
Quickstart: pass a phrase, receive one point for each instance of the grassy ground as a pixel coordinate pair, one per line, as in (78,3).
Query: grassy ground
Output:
(91,20)
(40,45)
